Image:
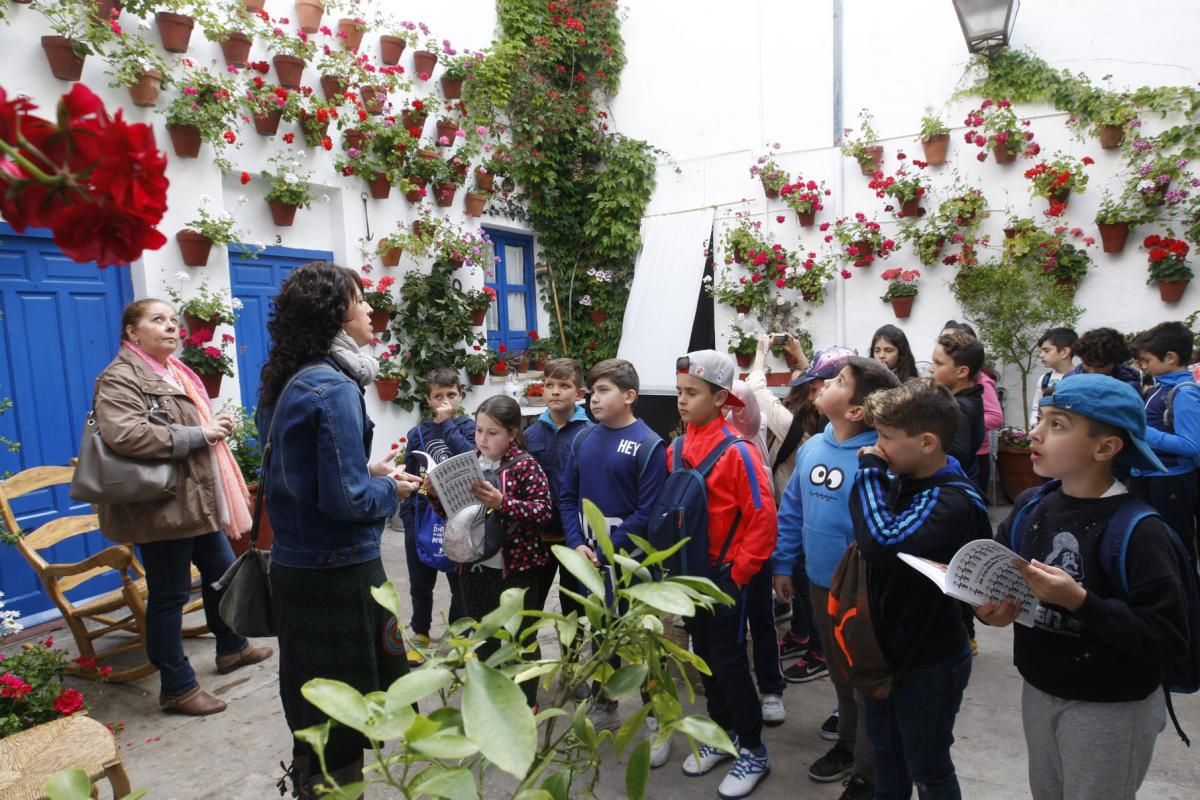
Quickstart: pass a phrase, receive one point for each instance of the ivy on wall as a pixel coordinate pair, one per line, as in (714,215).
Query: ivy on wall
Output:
(582,187)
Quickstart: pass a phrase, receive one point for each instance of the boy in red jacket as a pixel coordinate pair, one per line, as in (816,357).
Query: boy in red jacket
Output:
(741,509)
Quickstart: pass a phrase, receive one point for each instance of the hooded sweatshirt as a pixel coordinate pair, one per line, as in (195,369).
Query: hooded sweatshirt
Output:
(1177,445)
(971,431)
(814,513)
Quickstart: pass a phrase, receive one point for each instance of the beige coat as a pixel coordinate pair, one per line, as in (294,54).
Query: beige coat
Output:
(123,392)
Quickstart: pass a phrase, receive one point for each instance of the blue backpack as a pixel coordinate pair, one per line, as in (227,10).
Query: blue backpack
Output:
(681,511)
(1183,677)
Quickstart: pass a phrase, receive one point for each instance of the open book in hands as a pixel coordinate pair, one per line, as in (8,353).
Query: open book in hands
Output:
(980,571)
(452,479)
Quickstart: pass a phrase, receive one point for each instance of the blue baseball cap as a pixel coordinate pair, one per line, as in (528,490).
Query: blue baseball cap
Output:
(1106,399)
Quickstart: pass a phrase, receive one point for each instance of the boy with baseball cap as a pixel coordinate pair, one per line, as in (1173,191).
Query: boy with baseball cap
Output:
(1095,658)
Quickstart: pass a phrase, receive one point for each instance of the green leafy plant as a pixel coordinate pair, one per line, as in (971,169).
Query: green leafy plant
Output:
(298,44)
(205,358)
(856,147)
(742,337)
(218,306)
(390,364)
(1058,175)
(430,324)
(218,228)
(207,101)
(932,126)
(1167,257)
(260,98)
(289,179)
(901,283)
(243,442)
(1126,207)
(994,125)
(926,239)
(31,690)
(132,57)
(89,34)
(811,278)
(905,185)
(861,239)
(480,299)
(460,66)
(742,238)
(764,168)
(804,197)
(477,359)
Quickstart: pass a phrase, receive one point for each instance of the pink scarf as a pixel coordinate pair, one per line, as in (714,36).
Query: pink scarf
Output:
(235,498)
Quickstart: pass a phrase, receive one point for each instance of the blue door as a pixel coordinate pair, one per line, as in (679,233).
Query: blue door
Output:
(514,314)
(61,326)
(255,282)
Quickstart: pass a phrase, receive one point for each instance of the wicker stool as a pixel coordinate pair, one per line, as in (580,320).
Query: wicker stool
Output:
(29,758)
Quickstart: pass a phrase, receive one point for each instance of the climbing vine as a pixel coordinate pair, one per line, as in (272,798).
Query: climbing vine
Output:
(582,187)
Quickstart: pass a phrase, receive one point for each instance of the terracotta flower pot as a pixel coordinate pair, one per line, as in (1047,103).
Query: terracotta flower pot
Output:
(771,192)
(742,308)
(417,227)
(185,139)
(332,86)
(485,181)
(1067,286)
(104,8)
(1111,136)
(283,213)
(806,218)
(452,88)
(236,49)
(175,30)
(935,149)
(779,378)
(379,321)
(417,193)
(1015,471)
(195,247)
(1172,291)
(865,250)
(1002,154)
(443,194)
(478,315)
(308,15)
(413,119)
(353,33)
(424,62)
(598,317)
(902,306)
(212,383)
(144,93)
(475,203)
(428,155)
(373,98)
(1113,235)
(354,138)
(744,360)
(266,534)
(380,186)
(1010,233)
(447,129)
(874,157)
(267,124)
(388,388)
(910,208)
(1059,199)
(500,368)
(289,70)
(390,49)
(477,378)
(254,5)
(390,257)
(194,323)
(65,64)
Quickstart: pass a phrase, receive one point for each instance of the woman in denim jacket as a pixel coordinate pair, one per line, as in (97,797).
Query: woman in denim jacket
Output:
(328,507)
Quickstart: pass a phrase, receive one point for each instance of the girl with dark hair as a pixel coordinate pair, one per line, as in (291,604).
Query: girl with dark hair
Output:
(521,495)
(328,506)
(889,346)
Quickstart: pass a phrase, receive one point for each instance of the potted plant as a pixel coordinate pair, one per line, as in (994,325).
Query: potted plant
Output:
(291,54)
(232,26)
(204,111)
(456,68)
(966,207)
(905,188)
(742,342)
(926,239)
(901,290)
(425,59)
(475,202)
(315,116)
(79,32)
(209,362)
(308,14)
(1154,178)
(862,148)
(806,198)
(174,29)
(137,65)
(810,278)
(1013,464)
(206,308)
(393,43)
(742,237)
(478,362)
(534,394)
(289,187)
(498,360)
(861,239)
(1111,113)
(1116,217)
(744,292)
(379,298)
(31,682)
(1057,178)
(350,32)
(540,350)
(204,230)
(340,71)
(244,444)
(935,139)
(1067,264)
(387,380)
(770,174)
(478,302)
(391,247)
(447,130)
(268,104)
(994,126)
(1167,257)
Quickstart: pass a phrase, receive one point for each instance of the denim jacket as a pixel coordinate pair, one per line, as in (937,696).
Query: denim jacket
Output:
(326,509)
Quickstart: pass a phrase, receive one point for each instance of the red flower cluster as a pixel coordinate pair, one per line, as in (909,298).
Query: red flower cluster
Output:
(1164,247)
(13,687)
(68,702)
(98,182)
(90,663)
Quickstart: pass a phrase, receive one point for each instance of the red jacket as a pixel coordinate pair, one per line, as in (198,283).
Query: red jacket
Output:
(739,480)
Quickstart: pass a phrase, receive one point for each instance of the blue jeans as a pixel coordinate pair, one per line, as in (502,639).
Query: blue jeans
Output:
(912,731)
(169,584)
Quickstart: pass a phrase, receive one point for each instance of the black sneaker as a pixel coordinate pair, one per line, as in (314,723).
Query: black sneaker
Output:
(857,789)
(792,645)
(833,766)
(829,728)
(804,671)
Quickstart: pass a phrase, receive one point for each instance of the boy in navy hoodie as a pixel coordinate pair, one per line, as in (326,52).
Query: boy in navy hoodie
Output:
(448,432)
(910,497)
(814,519)
(550,440)
(1164,352)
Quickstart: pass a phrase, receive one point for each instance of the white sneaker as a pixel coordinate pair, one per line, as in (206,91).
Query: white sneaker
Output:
(773,712)
(744,775)
(604,716)
(709,758)
(660,750)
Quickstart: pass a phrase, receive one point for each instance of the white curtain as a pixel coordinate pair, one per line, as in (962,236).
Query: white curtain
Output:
(662,299)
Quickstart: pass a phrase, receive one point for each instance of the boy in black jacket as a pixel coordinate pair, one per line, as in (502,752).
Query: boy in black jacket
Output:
(957,359)
(929,509)
(1095,657)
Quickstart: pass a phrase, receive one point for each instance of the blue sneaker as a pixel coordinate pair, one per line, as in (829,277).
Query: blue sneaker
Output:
(750,768)
(709,758)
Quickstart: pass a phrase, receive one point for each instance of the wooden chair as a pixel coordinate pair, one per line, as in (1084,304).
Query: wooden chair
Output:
(120,610)
(29,758)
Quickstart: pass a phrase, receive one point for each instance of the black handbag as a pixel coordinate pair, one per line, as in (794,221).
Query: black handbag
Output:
(103,476)
(247,605)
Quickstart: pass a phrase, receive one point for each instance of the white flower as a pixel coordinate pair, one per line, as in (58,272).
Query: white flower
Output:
(241,199)
(290,179)
(324,198)
(182,276)
(205,199)
(236,304)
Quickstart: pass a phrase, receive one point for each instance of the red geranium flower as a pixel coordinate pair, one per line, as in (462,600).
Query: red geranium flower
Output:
(68,702)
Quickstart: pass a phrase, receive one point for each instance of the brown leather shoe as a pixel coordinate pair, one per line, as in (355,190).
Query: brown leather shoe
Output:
(244,657)
(193,703)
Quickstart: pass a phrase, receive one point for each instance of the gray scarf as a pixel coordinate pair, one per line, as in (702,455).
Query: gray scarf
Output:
(362,367)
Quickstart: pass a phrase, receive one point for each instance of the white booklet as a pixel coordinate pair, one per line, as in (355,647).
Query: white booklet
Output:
(452,479)
(980,571)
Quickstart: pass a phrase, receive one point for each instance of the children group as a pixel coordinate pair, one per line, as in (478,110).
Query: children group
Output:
(864,454)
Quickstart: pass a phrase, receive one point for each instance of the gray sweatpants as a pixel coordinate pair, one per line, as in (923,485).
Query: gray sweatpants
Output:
(1089,751)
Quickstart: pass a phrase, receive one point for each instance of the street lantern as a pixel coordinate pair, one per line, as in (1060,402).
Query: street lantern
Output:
(986,24)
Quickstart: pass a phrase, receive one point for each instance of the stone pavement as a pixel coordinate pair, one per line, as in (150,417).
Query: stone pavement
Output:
(235,755)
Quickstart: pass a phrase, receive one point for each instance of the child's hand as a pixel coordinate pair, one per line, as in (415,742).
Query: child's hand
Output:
(427,487)
(487,494)
(381,467)
(871,450)
(443,411)
(588,553)
(784,588)
(1053,585)
(999,614)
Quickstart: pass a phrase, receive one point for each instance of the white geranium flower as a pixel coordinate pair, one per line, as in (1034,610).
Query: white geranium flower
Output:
(182,276)
(236,304)
(290,179)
